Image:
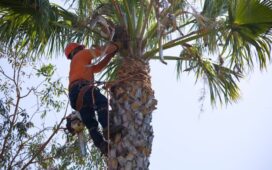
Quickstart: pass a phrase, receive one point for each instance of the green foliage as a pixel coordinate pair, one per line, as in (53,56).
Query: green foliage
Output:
(213,9)
(234,36)
(46,70)
(38,25)
(249,35)
(220,79)
(27,138)
(70,151)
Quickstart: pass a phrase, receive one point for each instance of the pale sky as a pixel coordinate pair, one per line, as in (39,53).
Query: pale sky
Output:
(238,137)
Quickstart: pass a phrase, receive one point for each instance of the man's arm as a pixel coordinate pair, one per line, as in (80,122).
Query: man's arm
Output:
(110,48)
(100,66)
(107,49)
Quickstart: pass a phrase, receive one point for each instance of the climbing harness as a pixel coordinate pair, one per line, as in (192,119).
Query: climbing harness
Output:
(83,90)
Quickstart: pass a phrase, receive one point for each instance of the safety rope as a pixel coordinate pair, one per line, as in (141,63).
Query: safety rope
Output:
(108,128)
(109,84)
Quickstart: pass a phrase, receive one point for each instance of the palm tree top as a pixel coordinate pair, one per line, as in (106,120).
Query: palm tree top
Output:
(216,39)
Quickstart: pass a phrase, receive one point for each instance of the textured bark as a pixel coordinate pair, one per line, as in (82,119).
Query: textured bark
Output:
(132,102)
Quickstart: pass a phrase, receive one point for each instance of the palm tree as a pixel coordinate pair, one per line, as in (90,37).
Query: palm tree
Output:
(217,40)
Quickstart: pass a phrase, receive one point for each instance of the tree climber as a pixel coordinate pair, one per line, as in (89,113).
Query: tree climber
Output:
(84,96)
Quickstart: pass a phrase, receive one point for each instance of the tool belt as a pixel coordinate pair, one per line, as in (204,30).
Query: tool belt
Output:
(80,83)
(84,86)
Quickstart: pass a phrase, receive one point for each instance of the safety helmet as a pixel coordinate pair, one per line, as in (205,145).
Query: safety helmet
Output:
(72,48)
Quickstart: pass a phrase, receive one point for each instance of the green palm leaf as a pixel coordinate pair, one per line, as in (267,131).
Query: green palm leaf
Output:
(43,27)
(234,30)
(222,81)
(24,23)
(250,22)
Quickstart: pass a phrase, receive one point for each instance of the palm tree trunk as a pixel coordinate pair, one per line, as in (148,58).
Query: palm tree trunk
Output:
(132,103)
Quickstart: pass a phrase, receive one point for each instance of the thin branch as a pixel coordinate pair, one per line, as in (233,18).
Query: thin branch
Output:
(48,140)
(4,74)
(44,159)
(27,93)
(21,146)
(10,130)
(36,134)
(13,119)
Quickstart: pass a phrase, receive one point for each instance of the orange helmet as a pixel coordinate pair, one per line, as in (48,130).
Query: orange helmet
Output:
(71,48)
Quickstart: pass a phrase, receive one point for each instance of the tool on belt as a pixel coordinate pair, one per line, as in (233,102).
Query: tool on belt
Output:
(75,126)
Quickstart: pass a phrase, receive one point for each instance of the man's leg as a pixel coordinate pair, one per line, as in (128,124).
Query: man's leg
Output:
(88,117)
(101,103)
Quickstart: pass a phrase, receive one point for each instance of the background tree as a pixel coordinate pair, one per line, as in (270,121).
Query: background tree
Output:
(30,135)
(217,41)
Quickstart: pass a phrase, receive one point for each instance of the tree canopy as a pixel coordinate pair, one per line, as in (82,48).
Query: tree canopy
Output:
(217,39)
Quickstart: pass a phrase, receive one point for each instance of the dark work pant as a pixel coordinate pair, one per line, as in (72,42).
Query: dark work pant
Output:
(87,112)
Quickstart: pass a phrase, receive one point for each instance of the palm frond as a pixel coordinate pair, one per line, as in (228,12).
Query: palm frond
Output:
(214,8)
(211,19)
(249,35)
(44,27)
(168,25)
(23,23)
(222,81)
(109,74)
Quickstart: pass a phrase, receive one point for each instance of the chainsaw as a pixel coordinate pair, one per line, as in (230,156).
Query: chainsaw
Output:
(75,126)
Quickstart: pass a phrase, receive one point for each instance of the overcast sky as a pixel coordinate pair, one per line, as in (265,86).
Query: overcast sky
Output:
(238,137)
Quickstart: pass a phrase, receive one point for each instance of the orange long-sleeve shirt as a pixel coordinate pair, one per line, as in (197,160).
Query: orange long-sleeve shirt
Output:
(78,65)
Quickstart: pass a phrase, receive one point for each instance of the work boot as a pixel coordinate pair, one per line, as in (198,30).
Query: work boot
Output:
(99,141)
(103,147)
(113,131)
